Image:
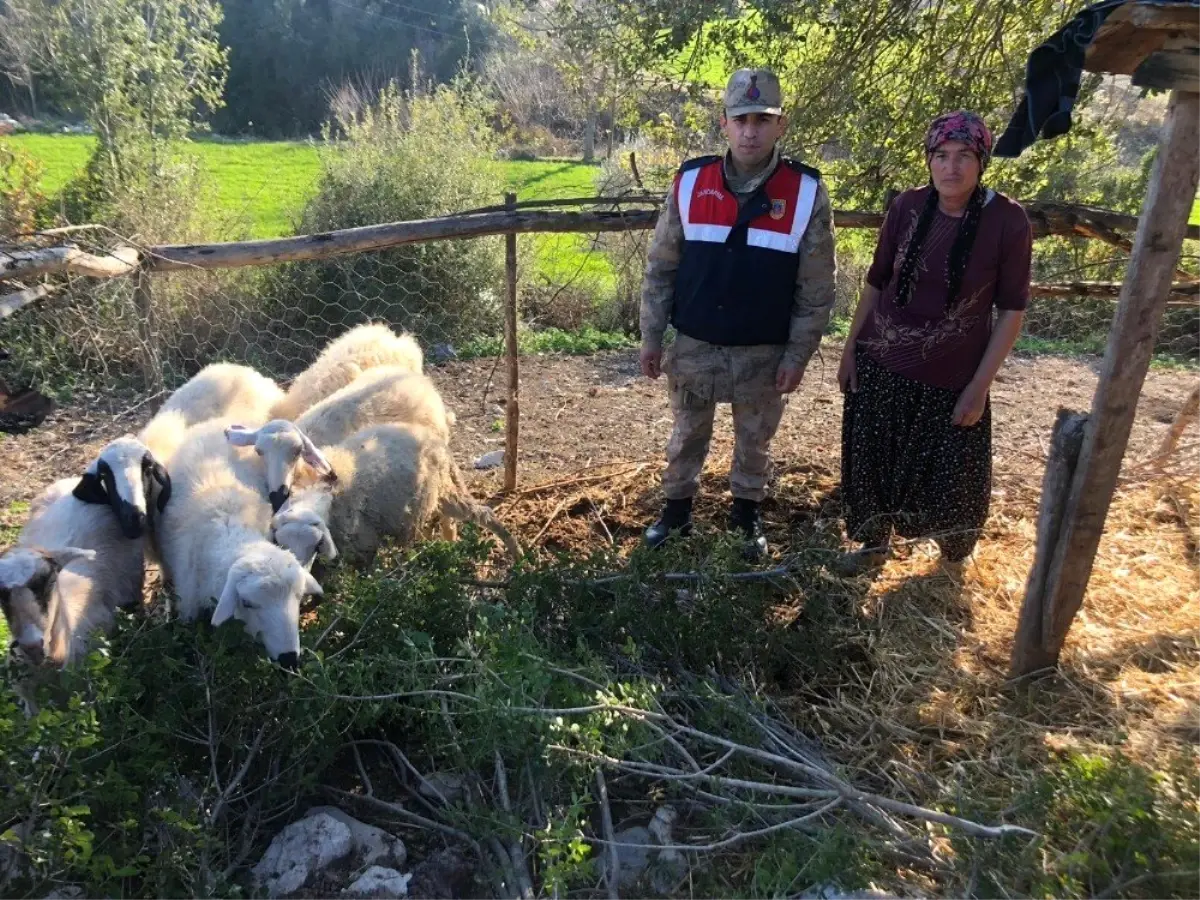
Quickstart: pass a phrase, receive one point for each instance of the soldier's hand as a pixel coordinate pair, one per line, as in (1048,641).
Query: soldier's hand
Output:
(651,361)
(787,379)
(848,372)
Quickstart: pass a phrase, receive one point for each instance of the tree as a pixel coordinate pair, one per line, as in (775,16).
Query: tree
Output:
(143,73)
(25,44)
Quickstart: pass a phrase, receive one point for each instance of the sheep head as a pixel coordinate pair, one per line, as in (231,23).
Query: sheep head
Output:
(124,476)
(301,527)
(27,576)
(282,446)
(263,591)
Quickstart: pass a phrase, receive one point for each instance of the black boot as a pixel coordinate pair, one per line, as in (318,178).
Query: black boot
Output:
(744,518)
(676,517)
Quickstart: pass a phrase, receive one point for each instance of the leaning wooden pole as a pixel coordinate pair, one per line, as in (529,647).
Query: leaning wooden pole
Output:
(512,408)
(1156,248)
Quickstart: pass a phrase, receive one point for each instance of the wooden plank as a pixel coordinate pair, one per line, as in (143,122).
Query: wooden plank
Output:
(31,263)
(1169,70)
(512,408)
(10,303)
(1156,250)
(1030,653)
(1179,292)
(1120,46)
(394,234)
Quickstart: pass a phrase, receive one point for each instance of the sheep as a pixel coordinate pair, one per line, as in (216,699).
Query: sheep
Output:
(383,395)
(127,477)
(225,390)
(70,569)
(392,481)
(129,474)
(212,538)
(344,360)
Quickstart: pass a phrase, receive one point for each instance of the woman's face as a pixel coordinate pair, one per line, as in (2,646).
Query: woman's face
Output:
(955,169)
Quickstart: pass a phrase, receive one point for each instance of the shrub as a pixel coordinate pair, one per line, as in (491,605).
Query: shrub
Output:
(408,156)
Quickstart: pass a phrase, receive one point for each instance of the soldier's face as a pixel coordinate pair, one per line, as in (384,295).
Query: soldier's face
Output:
(752,136)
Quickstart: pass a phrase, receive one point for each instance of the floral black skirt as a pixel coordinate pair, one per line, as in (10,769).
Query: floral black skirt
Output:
(906,468)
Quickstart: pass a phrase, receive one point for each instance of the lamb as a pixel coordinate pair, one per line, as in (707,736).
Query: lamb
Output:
(384,395)
(344,360)
(214,547)
(70,569)
(129,474)
(392,481)
(225,390)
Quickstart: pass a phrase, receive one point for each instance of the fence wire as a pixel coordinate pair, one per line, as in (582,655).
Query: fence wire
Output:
(451,295)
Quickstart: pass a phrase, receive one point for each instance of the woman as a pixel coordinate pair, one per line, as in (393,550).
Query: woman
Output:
(923,350)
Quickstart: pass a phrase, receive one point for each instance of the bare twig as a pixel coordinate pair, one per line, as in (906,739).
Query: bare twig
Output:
(613,866)
(395,809)
(223,797)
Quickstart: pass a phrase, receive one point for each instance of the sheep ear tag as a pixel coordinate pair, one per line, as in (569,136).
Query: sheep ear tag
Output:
(225,606)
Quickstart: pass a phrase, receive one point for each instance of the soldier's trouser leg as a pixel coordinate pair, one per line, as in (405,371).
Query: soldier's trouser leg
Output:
(754,425)
(688,446)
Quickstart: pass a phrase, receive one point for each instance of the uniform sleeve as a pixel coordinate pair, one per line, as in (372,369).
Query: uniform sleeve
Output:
(815,284)
(1016,260)
(658,287)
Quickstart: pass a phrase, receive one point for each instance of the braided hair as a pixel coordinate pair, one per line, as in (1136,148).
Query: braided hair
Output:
(970,129)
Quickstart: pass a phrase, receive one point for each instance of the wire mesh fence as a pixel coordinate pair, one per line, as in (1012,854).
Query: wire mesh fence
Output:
(156,331)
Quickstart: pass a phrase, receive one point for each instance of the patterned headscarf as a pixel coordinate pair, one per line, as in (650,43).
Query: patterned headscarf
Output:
(964,126)
(969,128)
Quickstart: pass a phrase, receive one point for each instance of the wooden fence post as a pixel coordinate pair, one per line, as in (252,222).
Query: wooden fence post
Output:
(512,408)
(143,301)
(1161,229)
(1029,652)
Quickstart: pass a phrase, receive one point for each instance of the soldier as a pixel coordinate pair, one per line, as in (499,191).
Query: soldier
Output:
(742,265)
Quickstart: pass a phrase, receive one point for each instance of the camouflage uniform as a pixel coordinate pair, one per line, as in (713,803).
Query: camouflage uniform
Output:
(701,375)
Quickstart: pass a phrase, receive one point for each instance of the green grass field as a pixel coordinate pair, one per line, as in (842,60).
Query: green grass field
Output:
(261,186)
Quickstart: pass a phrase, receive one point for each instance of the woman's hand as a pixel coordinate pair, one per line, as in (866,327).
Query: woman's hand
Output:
(848,371)
(971,403)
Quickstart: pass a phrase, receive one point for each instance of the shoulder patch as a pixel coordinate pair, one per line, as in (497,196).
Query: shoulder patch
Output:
(801,167)
(698,162)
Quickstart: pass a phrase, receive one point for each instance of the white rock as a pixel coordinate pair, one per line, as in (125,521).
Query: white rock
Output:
(302,851)
(446,786)
(832,891)
(381,882)
(65,892)
(492,460)
(372,846)
(632,862)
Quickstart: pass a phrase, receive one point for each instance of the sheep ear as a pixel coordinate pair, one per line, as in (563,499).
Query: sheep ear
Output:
(64,556)
(90,489)
(311,587)
(316,458)
(159,473)
(326,547)
(228,602)
(241,436)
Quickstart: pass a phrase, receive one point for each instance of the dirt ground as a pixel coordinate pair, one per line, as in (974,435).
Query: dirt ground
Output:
(580,413)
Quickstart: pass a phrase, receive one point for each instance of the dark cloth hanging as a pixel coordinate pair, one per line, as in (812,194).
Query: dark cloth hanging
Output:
(1052,79)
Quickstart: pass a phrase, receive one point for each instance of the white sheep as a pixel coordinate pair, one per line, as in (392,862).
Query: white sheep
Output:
(383,395)
(70,569)
(225,390)
(393,480)
(212,538)
(344,360)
